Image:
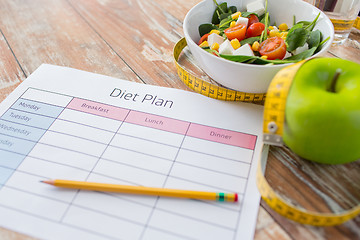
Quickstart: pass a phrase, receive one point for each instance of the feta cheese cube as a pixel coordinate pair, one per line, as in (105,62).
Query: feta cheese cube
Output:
(256,7)
(242,20)
(244,50)
(287,54)
(215,38)
(301,49)
(226,48)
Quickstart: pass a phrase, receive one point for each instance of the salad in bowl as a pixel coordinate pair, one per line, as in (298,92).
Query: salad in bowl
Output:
(240,43)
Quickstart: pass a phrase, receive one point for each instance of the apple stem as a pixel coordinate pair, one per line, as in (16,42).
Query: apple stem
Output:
(332,86)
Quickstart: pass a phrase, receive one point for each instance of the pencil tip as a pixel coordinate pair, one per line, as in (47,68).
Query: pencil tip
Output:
(47,181)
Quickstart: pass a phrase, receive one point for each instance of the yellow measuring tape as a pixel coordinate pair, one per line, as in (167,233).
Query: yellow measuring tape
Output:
(357,23)
(210,90)
(273,124)
(274,120)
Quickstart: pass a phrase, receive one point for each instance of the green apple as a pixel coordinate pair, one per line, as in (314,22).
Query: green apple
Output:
(322,112)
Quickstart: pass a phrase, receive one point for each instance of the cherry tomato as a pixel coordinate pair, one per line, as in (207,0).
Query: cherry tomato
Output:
(273,48)
(252,19)
(203,38)
(238,32)
(255,29)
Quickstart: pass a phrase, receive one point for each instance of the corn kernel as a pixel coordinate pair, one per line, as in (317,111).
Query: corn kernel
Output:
(264,57)
(283,34)
(283,27)
(271,27)
(255,46)
(204,44)
(232,24)
(274,33)
(215,31)
(236,15)
(235,43)
(215,46)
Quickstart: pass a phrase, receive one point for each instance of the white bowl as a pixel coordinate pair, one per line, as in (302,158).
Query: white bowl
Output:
(244,77)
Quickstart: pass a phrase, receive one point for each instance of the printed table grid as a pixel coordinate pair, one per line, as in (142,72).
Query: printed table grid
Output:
(95,166)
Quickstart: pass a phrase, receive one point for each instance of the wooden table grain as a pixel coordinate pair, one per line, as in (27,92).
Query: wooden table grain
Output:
(133,40)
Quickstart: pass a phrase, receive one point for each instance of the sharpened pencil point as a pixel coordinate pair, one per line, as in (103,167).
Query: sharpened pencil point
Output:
(48,181)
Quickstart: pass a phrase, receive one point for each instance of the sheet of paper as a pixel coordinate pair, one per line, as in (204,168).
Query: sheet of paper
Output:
(63,123)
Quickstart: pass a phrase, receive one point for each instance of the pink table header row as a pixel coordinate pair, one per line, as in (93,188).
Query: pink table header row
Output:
(157,122)
(166,124)
(222,136)
(98,109)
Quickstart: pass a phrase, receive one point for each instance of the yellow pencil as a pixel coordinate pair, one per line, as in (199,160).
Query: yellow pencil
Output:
(106,187)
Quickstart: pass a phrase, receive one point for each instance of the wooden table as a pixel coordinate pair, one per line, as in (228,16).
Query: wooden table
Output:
(133,40)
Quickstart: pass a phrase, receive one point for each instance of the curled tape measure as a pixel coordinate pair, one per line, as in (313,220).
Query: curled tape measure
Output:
(274,120)
(357,23)
(273,124)
(210,90)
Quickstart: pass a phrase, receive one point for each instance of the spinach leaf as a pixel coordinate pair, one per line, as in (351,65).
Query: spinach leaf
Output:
(263,35)
(296,38)
(222,12)
(250,40)
(221,9)
(209,50)
(311,26)
(225,23)
(237,58)
(206,28)
(254,59)
(247,14)
(304,23)
(314,39)
(224,16)
(296,26)
(232,9)
(303,55)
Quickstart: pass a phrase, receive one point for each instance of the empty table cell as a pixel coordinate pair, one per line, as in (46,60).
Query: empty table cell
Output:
(215,163)
(224,182)
(151,134)
(137,159)
(90,120)
(218,149)
(145,146)
(81,131)
(107,225)
(63,156)
(50,98)
(32,204)
(136,176)
(188,227)
(52,170)
(73,143)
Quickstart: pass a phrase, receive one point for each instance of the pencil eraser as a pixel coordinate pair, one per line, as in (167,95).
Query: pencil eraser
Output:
(236,197)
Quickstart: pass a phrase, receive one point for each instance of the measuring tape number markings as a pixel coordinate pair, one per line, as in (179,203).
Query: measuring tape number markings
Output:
(210,90)
(273,126)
